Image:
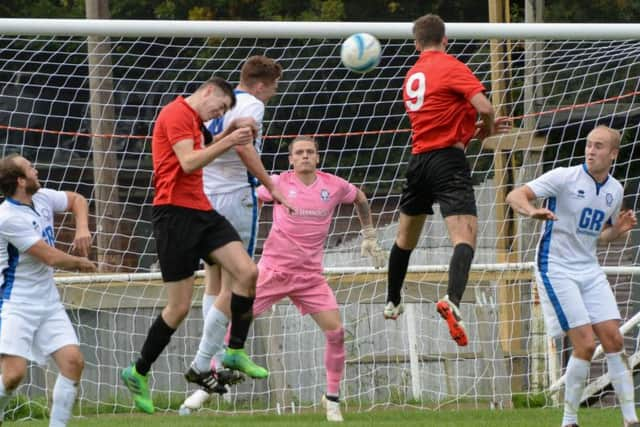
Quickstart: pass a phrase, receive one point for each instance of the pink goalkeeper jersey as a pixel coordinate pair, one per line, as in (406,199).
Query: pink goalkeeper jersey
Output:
(296,240)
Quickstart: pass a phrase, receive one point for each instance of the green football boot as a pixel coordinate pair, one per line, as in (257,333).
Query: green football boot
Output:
(238,360)
(138,385)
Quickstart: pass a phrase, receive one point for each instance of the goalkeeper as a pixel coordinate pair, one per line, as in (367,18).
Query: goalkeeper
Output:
(291,263)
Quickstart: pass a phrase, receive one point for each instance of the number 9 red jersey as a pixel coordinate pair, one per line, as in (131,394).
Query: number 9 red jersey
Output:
(436,94)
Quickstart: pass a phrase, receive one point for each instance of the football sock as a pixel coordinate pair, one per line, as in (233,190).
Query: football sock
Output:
(622,382)
(241,318)
(459,272)
(212,341)
(398,264)
(64,396)
(207,303)
(334,360)
(575,378)
(158,338)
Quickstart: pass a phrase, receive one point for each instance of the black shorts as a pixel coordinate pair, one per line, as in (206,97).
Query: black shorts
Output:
(185,236)
(441,176)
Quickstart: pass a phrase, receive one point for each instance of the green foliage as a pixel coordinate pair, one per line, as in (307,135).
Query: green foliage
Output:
(592,11)
(42,9)
(325,10)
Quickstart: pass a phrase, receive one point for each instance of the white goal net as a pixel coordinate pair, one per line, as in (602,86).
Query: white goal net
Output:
(79,99)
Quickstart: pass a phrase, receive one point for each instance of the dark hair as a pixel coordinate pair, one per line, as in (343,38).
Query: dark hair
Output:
(428,30)
(223,85)
(303,138)
(10,171)
(260,68)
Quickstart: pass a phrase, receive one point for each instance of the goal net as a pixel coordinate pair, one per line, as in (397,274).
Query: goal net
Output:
(79,99)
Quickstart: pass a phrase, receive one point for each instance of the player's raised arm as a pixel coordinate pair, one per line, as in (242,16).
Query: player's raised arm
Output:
(77,204)
(520,201)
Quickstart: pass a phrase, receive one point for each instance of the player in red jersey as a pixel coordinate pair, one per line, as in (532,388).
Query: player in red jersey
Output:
(443,99)
(187,229)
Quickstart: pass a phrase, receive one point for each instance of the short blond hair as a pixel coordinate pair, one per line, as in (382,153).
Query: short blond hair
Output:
(615,136)
(303,138)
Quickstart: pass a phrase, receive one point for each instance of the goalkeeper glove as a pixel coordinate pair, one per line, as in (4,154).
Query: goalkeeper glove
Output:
(371,248)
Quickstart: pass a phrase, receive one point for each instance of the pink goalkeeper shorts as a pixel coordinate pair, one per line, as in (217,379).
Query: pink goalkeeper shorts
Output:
(309,291)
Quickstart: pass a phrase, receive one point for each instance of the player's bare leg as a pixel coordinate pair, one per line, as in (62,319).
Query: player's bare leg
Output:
(212,286)
(14,368)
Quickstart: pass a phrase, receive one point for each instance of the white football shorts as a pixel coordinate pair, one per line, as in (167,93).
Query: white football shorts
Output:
(570,300)
(240,208)
(34,332)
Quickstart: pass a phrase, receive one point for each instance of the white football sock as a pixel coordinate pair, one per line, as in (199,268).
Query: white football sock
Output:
(575,379)
(64,396)
(622,382)
(212,341)
(217,358)
(207,303)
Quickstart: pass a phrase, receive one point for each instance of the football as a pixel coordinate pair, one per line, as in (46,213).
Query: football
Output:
(361,52)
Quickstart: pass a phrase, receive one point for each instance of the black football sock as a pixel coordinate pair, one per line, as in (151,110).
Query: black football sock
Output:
(459,272)
(158,338)
(398,264)
(241,318)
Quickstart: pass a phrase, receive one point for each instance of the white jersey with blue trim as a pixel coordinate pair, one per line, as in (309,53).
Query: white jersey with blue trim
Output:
(26,279)
(227,173)
(583,207)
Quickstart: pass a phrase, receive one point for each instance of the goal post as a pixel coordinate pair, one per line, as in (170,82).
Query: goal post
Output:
(575,76)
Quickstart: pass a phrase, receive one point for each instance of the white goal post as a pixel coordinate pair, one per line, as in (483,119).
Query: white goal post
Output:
(80,97)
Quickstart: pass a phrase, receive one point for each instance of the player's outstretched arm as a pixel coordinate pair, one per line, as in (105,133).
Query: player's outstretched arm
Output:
(625,222)
(251,159)
(370,246)
(78,205)
(520,201)
(56,258)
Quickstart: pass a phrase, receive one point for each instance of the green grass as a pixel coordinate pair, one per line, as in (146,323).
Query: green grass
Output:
(380,417)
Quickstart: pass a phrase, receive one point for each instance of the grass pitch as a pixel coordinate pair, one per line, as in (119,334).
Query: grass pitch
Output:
(380,417)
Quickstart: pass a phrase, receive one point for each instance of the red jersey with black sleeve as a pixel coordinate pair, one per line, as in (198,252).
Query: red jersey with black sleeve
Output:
(177,121)
(436,94)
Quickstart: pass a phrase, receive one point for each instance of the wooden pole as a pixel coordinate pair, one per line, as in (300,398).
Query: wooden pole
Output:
(108,209)
(509,316)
